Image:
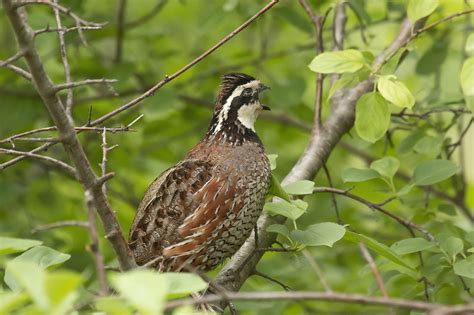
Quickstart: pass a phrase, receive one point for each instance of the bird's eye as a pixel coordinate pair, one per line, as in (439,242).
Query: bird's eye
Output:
(247,92)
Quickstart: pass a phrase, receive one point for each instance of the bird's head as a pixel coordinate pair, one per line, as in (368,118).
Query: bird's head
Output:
(238,102)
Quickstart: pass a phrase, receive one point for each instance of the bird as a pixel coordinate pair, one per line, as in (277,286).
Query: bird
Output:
(200,211)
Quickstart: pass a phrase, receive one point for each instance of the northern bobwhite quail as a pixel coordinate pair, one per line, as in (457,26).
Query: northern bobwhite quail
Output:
(200,211)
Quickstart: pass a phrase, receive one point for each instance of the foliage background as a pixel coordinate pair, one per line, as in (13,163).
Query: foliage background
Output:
(276,49)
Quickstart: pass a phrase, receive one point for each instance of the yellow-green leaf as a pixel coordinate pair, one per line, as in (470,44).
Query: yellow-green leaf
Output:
(467,77)
(395,91)
(418,9)
(372,117)
(349,60)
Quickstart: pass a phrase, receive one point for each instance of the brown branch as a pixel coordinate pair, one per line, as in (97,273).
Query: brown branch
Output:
(72,85)
(21,72)
(373,267)
(339,26)
(69,170)
(60,224)
(15,57)
(67,70)
(121,11)
(47,29)
(315,155)
(375,206)
(169,78)
(329,297)
(45,88)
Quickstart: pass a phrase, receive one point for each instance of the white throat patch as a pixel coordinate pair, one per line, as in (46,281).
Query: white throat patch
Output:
(254,84)
(247,114)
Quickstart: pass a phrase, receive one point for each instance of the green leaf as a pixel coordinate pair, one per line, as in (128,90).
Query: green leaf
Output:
(452,246)
(30,277)
(470,237)
(358,174)
(418,9)
(278,191)
(182,283)
(387,166)
(10,301)
(465,267)
(113,305)
(447,208)
(407,144)
(405,189)
(429,145)
(9,245)
(342,61)
(320,234)
(346,80)
(470,44)
(434,171)
(60,288)
(42,256)
(372,117)
(467,77)
(279,229)
(301,187)
(411,245)
(395,91)
(273,161)
(143,289)
(377,247)
(284,208)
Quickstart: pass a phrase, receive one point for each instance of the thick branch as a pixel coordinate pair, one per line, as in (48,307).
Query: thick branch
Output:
(69,139)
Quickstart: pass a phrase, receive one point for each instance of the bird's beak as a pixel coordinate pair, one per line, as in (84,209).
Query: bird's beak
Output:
(265,107)
(263,87)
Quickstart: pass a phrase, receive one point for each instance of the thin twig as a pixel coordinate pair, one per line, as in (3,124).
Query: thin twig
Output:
(60,224)
(122,4)
(329,297)
(265,276)
(375,206)
(69,170)
(95,245)
(21,72)
(169,78)
(67,70)
(313,264)
(47,29)
(373,267)
(72,85)
(15,57)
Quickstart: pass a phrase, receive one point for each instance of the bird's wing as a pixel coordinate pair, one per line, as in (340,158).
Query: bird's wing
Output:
(167,202)
(217,203)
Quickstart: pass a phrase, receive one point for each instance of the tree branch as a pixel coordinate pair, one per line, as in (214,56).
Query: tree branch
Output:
(329,297)
(45,88)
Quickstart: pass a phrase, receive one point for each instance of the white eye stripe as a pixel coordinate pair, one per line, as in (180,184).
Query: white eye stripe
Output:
(223,115)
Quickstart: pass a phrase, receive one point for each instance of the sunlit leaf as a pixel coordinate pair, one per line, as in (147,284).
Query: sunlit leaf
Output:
(319,234)
(30,277)
(284,208)
(301,187)
(418,9)
(467,77)
(10,245)
(342,61)
(452,246)
(142,288)
(395,91)
(372,117)
(182,283)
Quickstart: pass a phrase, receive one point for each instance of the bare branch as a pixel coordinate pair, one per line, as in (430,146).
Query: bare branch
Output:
(339,25)
(329,297)
(47,29)
(95,247)
(122,4)
(67,70)
(169,78)
(60,224)
(15,57)
(373,268)
(71,85)
(375,206)
(69,139)
(69,170)
(23,73)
